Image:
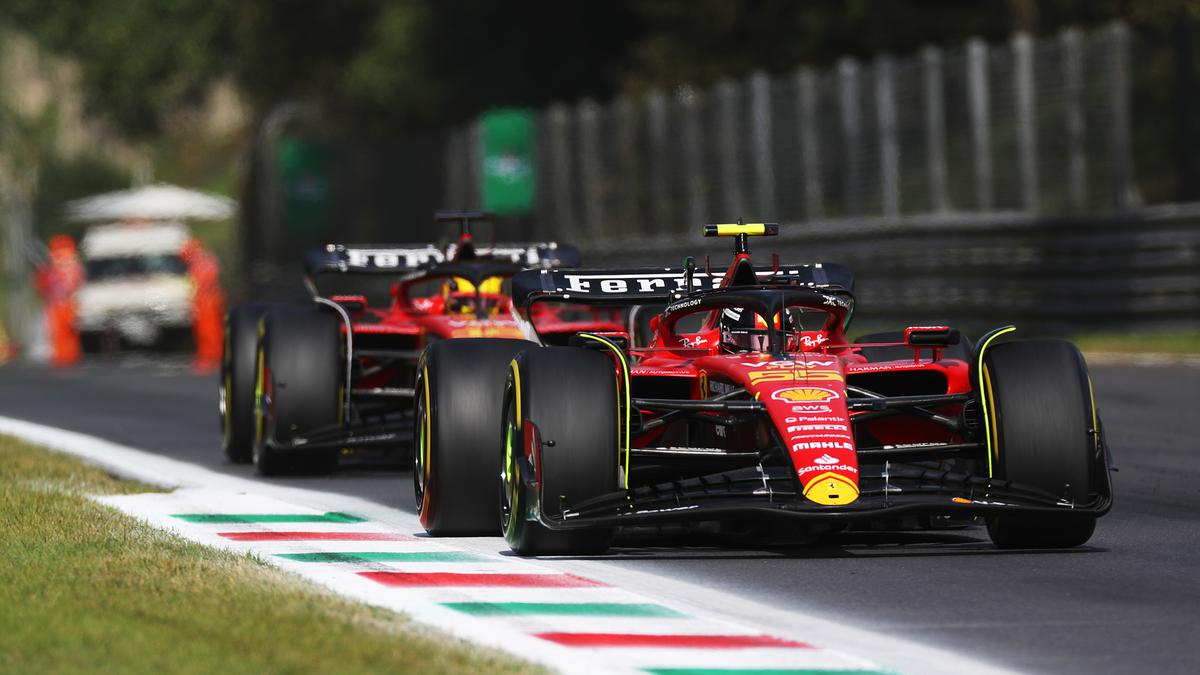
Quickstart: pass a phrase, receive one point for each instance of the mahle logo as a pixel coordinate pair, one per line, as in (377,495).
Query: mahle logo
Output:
(798,394)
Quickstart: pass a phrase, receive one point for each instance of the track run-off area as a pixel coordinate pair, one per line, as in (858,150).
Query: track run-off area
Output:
(912,602)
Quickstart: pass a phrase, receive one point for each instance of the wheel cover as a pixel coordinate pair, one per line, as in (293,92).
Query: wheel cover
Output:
(224,405)
(510,475)
(421,456)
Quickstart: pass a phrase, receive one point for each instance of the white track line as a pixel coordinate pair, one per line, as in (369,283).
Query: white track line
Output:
(705,611)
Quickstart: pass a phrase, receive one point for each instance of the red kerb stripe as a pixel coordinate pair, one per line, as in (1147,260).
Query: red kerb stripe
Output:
(683,641)
(315,536)
(411,579)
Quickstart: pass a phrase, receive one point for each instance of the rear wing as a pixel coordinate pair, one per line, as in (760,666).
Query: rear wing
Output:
(402,259)
(653,285)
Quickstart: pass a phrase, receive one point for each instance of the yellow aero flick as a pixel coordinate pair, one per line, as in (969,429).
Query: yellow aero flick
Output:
(831,489)
(735,229)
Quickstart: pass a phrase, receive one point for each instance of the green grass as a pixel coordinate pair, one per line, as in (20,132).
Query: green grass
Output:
(1131,343)
(87,589)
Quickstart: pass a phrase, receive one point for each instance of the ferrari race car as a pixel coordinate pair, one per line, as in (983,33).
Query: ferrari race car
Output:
(302,382)
(749,407)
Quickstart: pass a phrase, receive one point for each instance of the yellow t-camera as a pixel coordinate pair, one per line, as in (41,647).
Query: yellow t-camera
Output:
(735,229)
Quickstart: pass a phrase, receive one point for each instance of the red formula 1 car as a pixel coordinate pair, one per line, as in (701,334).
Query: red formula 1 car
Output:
(301,383)
(749,407)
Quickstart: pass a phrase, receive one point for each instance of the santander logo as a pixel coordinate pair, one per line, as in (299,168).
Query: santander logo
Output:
(826,459)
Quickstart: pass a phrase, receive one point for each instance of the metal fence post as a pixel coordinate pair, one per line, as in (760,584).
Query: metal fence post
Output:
(1022,48)
(848,98)
(559,162)
(591,174)
(656,127)
(455,163)
(727,144)
(625,137)
(1072,47)
(474,165)
(810,150)
(981,124)
(935,129)
(761,130)
(889,145)
(1121,116)
(693,156)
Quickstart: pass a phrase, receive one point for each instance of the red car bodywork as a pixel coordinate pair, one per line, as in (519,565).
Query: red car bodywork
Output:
(811,425)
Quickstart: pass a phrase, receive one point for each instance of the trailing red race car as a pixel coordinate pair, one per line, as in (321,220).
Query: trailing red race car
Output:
(302,382)
(750,405)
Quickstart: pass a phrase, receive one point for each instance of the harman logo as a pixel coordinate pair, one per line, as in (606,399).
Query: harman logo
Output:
(798,394)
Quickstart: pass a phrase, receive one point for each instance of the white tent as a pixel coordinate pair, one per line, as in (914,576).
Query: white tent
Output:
(152,202)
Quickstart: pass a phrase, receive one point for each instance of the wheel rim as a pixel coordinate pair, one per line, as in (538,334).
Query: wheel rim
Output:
(510,481)
(420,466)
(259,413)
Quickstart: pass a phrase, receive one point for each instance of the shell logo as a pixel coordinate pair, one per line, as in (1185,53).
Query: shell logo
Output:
(797,394)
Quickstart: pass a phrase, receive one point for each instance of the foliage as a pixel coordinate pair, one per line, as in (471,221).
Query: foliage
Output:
(420,62)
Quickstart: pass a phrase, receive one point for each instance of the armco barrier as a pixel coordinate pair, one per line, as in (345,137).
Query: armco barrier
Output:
(1139,270)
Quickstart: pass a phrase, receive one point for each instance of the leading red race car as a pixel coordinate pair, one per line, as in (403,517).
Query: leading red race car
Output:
(302,382)
(750,405)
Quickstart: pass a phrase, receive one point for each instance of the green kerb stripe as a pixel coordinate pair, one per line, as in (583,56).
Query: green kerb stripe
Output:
(762,671)
(562,608)
(331,517)
(370,556)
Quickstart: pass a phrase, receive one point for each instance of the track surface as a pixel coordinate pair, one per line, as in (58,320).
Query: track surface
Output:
(1129,602)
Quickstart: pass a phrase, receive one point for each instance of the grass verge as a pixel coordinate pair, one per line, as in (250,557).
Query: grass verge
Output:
(88,589)
(1179,343)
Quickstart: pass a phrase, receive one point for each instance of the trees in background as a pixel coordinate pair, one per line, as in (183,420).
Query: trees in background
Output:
(421,62)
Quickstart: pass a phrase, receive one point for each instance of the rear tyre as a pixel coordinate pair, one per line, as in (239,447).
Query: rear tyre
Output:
(299,387)
(960,351)
(236,387)
(570,396)
(460,384)
(1042,437)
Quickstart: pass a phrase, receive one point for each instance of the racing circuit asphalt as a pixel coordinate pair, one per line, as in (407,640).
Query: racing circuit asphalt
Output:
(1128,602)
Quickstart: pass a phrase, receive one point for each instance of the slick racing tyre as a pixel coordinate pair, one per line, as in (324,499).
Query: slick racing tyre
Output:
(960,351)
(299,387)
(1043,436)
(460,385)
(569,397)
(236,388)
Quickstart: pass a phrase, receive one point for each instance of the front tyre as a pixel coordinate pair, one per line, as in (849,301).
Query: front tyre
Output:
(457,414)
(1045,435)
(569,396)
(236,387)
(299,388)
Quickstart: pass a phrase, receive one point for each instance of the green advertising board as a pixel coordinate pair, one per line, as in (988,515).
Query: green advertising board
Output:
(509,171)
(304,183)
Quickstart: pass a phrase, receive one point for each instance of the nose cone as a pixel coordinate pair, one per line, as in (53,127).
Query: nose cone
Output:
(831,489)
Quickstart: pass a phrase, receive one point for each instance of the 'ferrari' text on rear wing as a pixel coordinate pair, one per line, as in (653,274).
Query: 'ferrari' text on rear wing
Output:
(659,284)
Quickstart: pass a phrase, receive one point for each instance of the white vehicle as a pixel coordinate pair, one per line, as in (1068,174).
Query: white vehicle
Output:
(136,290)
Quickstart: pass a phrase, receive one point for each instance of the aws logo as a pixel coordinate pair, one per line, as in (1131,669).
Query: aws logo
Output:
(804,394)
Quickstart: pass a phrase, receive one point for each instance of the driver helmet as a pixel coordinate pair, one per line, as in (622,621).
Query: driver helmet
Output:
(460,295)
(743,331)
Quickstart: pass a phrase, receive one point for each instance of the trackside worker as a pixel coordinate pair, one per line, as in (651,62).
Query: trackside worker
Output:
(57,279)
(208,305)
